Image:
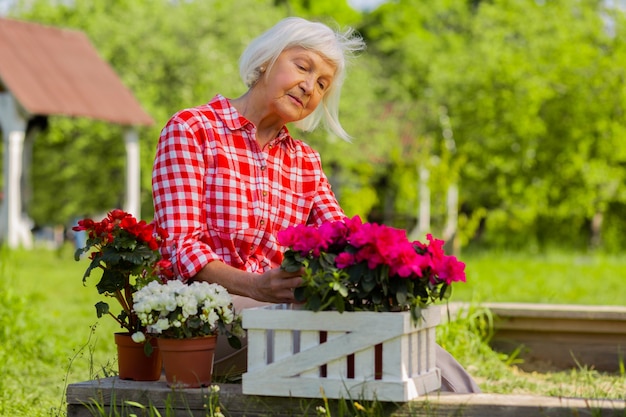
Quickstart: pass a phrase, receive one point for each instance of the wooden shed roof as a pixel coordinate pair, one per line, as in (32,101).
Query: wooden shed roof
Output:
(53,71)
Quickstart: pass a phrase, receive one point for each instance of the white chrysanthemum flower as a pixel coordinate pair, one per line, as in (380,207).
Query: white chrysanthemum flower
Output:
(213,318)
(227,315)
(170,305)
(161,324)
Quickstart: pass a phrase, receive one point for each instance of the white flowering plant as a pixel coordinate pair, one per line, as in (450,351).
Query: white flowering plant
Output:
(178,310)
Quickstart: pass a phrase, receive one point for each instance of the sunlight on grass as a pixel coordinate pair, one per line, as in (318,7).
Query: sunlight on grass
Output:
(553,279)
(48,321)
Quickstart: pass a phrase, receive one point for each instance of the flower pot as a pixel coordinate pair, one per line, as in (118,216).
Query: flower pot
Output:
(188,363)
(366,355)
(133,364)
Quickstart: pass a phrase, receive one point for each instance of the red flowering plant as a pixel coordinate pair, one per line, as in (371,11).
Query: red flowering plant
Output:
(354,266)
(127,252)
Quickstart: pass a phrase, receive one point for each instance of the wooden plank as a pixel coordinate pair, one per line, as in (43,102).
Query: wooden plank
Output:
(190,402)
(553,337)
(556,336)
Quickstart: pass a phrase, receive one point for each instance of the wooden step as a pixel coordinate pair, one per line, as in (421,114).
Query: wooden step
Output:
(191,402)
(552,336)
(558,337)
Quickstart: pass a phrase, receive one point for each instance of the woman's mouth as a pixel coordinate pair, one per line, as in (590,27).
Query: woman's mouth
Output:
(296,100)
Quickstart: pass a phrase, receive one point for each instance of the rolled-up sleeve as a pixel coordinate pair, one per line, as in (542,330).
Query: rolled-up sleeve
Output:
(178,194)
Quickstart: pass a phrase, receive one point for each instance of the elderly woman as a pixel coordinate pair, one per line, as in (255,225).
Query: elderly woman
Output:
(228,175)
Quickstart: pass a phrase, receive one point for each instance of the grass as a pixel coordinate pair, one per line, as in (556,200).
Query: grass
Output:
(554,278)
(50,336)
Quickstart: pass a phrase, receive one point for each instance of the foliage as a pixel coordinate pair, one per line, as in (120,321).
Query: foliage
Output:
(533,90)
(351,266)
(176,310)
(127,253)
(171,55)
(517,84)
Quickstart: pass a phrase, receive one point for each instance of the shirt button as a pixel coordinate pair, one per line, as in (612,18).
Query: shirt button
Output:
(264,193)
(263,168)
(262,222)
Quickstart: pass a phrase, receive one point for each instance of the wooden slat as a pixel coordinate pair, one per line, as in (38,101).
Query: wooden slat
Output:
(561,336)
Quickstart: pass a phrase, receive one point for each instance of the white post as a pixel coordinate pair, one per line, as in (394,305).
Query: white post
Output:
(133,176)
(15,227)
(449,231)
(423,215)
(424,192)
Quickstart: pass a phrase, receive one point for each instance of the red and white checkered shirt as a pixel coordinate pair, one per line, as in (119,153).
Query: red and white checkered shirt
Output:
(221,197)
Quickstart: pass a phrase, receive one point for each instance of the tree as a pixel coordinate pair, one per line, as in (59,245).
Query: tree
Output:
(517,83)
(170,54)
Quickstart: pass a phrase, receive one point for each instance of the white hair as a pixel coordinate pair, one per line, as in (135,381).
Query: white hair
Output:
(291,32)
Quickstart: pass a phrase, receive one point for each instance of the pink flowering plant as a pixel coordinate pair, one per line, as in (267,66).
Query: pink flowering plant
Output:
(354,266)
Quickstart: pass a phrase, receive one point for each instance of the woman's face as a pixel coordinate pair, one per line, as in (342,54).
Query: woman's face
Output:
(296,83)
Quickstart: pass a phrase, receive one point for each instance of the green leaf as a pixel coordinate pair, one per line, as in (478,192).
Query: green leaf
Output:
(78,253)
(340,305)
(357,271)
(147,348)
(368,282)
(300,294)
(340,288)
(327,261)
(401,292)
(446,292)
(314,303)
(377,298)
(234,341)
(95,263)
(194,322)
(291,265)
(416,314)
(111,281)
(102,308)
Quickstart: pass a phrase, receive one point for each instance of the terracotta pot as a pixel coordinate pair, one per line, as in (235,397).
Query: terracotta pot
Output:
(133,364)
(188,363)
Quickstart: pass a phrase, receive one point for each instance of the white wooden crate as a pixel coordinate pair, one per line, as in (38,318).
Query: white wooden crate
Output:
(366,355)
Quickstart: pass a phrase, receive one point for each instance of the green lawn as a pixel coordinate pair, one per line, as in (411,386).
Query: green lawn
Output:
(552,279)
(50,335)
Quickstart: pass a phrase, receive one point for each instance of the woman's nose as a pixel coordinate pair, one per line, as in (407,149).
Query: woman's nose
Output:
(307,85)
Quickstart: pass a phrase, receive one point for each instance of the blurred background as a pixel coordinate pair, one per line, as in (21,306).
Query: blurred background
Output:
(492,124)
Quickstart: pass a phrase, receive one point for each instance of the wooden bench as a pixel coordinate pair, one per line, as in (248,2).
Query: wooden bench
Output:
(553,336)
(191,402)
(558,337)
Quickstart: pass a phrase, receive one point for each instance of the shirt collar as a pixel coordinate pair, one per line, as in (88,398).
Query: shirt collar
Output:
(235,121)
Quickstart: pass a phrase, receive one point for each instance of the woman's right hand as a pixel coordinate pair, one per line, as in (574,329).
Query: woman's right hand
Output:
(273,286)
(276,286)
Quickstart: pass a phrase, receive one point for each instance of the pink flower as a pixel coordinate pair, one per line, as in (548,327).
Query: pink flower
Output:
(334,233)
(289,236)
(345,260)
(450,270)
(435,247)
(353,224)
(304,239)
(385,251)
(408,263)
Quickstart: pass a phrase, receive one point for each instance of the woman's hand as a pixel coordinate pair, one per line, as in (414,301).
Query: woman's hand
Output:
(274,286)
(277,286)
